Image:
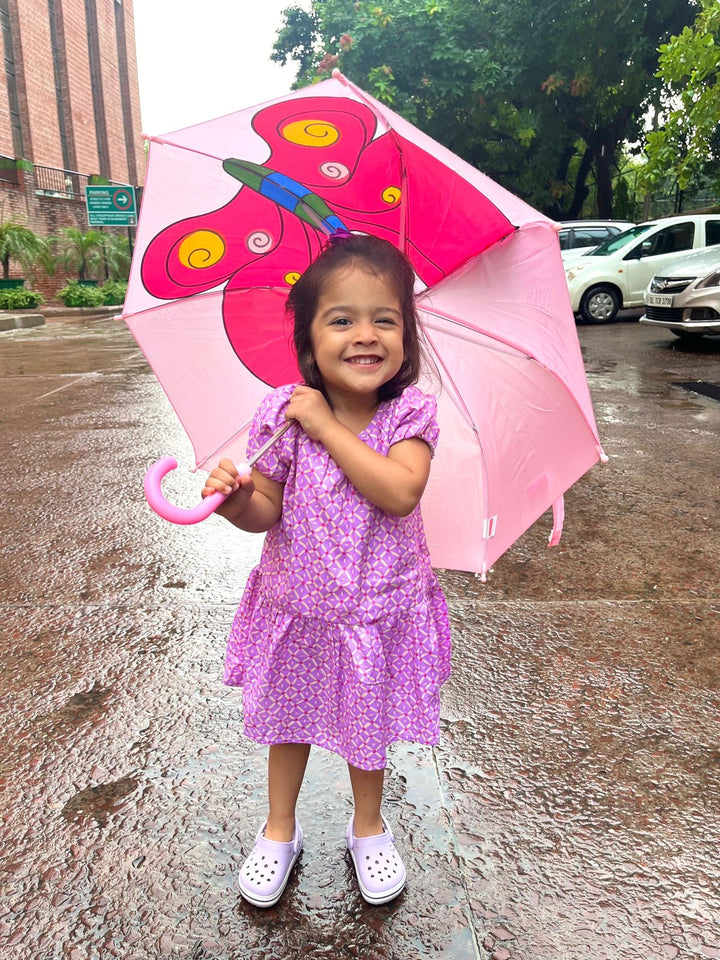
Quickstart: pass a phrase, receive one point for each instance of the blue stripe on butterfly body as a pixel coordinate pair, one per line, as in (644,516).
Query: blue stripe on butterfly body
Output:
(287,193)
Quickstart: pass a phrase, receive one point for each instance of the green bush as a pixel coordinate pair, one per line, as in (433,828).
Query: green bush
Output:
(114,291)
(17,298)
(78,295)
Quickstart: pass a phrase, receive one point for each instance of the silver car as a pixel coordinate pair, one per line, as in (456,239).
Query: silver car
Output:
(685,298)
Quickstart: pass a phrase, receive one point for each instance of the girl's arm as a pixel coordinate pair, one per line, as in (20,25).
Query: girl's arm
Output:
(254,503)
(394,482)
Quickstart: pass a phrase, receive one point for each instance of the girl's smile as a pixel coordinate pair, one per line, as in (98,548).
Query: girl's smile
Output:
(357,333)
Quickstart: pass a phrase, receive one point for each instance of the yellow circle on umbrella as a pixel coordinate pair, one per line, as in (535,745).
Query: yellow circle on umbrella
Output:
(391,195)
(311,133)
(292,277)
(201,249)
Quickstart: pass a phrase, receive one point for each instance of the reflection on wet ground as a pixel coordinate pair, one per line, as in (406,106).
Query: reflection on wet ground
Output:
(572,807)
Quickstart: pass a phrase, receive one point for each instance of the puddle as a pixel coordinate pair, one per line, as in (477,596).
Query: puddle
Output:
(99,803)
(85,706)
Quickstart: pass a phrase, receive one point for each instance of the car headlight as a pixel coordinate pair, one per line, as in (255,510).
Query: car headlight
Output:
(712,281)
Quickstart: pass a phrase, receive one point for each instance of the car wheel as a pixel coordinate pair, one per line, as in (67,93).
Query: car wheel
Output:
(600,305)
(687,334)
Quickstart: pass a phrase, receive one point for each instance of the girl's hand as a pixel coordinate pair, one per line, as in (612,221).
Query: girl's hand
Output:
(226,479)
(310,408)
(254,502)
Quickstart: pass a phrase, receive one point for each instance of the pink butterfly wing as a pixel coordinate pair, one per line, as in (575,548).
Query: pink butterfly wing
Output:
(198,253)
(254,304)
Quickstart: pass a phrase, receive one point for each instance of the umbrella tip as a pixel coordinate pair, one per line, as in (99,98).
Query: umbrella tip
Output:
(336,74)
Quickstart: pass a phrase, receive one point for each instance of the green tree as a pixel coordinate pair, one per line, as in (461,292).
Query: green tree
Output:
(539,95)
(296,39)
(686,140)
(18,242)
(115,256)
(79,252)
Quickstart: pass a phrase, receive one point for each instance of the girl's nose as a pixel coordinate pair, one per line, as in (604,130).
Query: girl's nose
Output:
(365,332)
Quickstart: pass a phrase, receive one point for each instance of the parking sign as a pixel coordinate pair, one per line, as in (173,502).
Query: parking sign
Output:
(111,206)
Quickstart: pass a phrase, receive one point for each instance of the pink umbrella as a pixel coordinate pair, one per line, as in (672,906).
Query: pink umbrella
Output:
(234,210)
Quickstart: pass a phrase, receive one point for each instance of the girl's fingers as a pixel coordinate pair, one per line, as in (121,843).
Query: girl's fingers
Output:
(228,466)
(222,481)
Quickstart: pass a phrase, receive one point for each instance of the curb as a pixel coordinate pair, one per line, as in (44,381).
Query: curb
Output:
(81,313)
(20,321)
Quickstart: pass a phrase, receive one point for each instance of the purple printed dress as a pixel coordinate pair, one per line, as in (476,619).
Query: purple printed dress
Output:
(341,639)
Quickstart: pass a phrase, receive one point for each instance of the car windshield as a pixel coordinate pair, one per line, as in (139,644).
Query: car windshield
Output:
(612,244)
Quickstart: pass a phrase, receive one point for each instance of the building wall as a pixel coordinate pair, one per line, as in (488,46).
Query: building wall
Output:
(88,116)
(80,88)
(138,142)
(34,33)
(89,91)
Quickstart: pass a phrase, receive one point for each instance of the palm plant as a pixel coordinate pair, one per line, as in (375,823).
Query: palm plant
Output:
(79,252)
(116,256)
(18,242)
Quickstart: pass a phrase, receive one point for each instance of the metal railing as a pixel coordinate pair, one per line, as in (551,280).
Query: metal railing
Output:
(54,182)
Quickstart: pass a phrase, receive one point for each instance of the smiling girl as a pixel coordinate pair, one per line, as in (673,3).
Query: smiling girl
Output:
(341,639)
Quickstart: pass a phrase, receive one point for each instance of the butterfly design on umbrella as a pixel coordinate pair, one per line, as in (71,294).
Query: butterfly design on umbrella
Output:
(330,168)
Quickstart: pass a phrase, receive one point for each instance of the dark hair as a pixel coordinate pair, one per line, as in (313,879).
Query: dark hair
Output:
(380,258)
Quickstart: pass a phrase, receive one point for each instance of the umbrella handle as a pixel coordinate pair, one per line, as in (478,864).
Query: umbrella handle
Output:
(167,510)
(184,515)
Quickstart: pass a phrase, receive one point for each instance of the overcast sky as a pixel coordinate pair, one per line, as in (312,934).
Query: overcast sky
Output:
(201,60)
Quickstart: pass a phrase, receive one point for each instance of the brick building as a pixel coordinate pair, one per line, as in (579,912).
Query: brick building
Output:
(69,107)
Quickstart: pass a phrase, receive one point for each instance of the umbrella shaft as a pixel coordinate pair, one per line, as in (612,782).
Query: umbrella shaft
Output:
(273,440)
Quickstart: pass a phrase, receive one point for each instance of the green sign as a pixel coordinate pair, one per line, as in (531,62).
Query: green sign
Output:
(111,206)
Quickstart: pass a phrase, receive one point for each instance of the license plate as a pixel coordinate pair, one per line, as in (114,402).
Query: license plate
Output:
(659,300)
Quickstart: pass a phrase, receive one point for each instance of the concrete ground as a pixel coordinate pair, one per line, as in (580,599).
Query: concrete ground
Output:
(572,808)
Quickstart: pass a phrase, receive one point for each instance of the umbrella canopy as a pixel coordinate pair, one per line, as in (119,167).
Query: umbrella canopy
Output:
(235,209)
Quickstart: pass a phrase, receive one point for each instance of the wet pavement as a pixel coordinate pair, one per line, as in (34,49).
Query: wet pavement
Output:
(572,807)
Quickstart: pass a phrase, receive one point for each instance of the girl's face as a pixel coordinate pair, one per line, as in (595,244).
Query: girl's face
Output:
(357,333)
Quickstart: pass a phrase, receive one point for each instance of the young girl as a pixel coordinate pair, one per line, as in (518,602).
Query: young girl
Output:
(341,639)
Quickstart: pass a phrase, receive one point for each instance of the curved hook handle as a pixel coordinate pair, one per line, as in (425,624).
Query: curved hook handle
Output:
(167,510)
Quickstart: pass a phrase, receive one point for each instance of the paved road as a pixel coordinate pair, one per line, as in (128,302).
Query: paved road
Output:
(572,809)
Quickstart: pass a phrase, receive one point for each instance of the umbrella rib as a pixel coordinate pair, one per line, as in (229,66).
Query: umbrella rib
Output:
(193,295)
(390,131)
(522,350)
(462,407)
(440,315)
(455,392)
(181,146)
(201,463)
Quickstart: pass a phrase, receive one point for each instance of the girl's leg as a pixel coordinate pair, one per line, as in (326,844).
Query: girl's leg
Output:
(367,788)
(286,768)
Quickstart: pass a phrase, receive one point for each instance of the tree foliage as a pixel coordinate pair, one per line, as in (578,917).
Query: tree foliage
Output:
(18,242)
(686,143)
(79,252)
(539,95)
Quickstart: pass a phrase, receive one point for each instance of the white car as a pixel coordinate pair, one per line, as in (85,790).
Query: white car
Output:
(578,236)
(614,275)
(685,298)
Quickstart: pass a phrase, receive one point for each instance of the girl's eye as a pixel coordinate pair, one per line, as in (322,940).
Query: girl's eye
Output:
(388,320)
(340,321)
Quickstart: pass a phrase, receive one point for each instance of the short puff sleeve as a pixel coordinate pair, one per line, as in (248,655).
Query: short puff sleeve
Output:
(275,463)
(415,415)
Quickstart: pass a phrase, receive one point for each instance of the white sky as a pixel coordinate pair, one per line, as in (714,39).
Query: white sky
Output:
(200,60)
